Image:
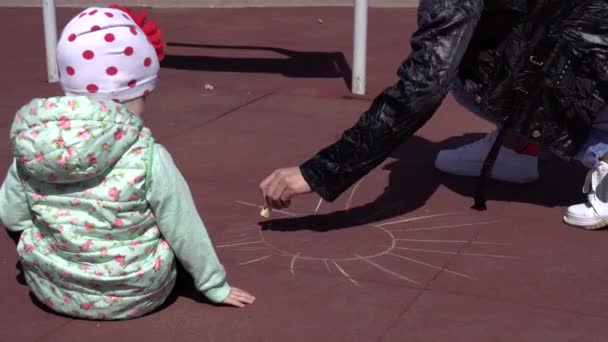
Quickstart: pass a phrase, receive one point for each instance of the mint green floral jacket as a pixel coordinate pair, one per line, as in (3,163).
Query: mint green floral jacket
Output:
(102,211)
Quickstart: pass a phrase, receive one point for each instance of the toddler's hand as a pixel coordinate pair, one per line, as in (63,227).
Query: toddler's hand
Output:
(238,298)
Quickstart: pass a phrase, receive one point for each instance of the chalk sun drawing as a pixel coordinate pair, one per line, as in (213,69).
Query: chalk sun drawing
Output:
(387,239)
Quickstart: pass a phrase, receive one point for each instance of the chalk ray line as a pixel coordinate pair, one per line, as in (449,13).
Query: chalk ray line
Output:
(255,260)
(352,194)
(451,241)
(393,273)
(446,227)
(319,205)
(345,274)
(498,256)
(432,266)
(260,206)
(293,263)
(252,249)
(239,244)
(416,219)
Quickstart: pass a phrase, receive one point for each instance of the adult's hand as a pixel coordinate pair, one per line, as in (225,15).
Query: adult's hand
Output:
(282,185)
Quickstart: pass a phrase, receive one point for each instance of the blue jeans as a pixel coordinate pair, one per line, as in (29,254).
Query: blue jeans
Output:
(590,153)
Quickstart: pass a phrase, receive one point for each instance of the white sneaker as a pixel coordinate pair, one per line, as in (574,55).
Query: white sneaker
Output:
(594,213)
(510,166)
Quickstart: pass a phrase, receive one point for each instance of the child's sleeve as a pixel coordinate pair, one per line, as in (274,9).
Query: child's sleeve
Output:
(14,210)
(182,227)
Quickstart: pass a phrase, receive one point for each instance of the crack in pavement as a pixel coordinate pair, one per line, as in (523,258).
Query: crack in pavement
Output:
(226,113)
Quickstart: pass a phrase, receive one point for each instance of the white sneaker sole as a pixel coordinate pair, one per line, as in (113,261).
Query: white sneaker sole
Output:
(599,224)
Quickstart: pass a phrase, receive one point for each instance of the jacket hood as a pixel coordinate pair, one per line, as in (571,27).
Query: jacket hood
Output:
(71,139)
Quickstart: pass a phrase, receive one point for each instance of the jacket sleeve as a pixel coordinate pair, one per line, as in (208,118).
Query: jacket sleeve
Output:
(15,213)
(444,31)
(182,227)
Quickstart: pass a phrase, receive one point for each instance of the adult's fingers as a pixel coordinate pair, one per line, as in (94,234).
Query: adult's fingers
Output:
(275,190)
(264,184)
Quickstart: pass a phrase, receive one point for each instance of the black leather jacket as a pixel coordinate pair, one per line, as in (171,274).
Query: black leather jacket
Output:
(540,66)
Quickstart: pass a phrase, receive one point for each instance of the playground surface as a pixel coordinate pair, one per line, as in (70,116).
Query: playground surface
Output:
(399,257)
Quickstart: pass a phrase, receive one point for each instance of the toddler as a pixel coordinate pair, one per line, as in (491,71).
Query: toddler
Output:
(101,209)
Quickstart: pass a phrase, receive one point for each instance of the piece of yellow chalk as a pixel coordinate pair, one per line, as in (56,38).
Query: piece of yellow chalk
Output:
(265,213)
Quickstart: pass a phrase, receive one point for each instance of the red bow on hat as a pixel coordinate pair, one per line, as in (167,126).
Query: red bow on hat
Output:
(150,28)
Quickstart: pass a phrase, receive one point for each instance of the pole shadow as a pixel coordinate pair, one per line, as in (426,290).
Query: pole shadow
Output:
(297,64)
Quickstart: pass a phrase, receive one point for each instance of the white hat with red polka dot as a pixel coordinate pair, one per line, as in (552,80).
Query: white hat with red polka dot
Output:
(104,55)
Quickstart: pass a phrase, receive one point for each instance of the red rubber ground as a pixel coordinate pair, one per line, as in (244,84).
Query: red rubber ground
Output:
(401,257)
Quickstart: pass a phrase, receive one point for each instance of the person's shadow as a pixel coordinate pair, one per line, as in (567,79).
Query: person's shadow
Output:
(413,179)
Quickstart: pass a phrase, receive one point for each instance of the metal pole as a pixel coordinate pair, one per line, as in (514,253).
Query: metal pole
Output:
(50,39)
(359,47)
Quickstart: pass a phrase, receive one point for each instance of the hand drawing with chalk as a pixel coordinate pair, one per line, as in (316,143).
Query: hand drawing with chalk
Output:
(339,238)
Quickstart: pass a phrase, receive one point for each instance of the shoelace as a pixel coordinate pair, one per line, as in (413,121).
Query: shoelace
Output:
(488,165)
(486,171)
